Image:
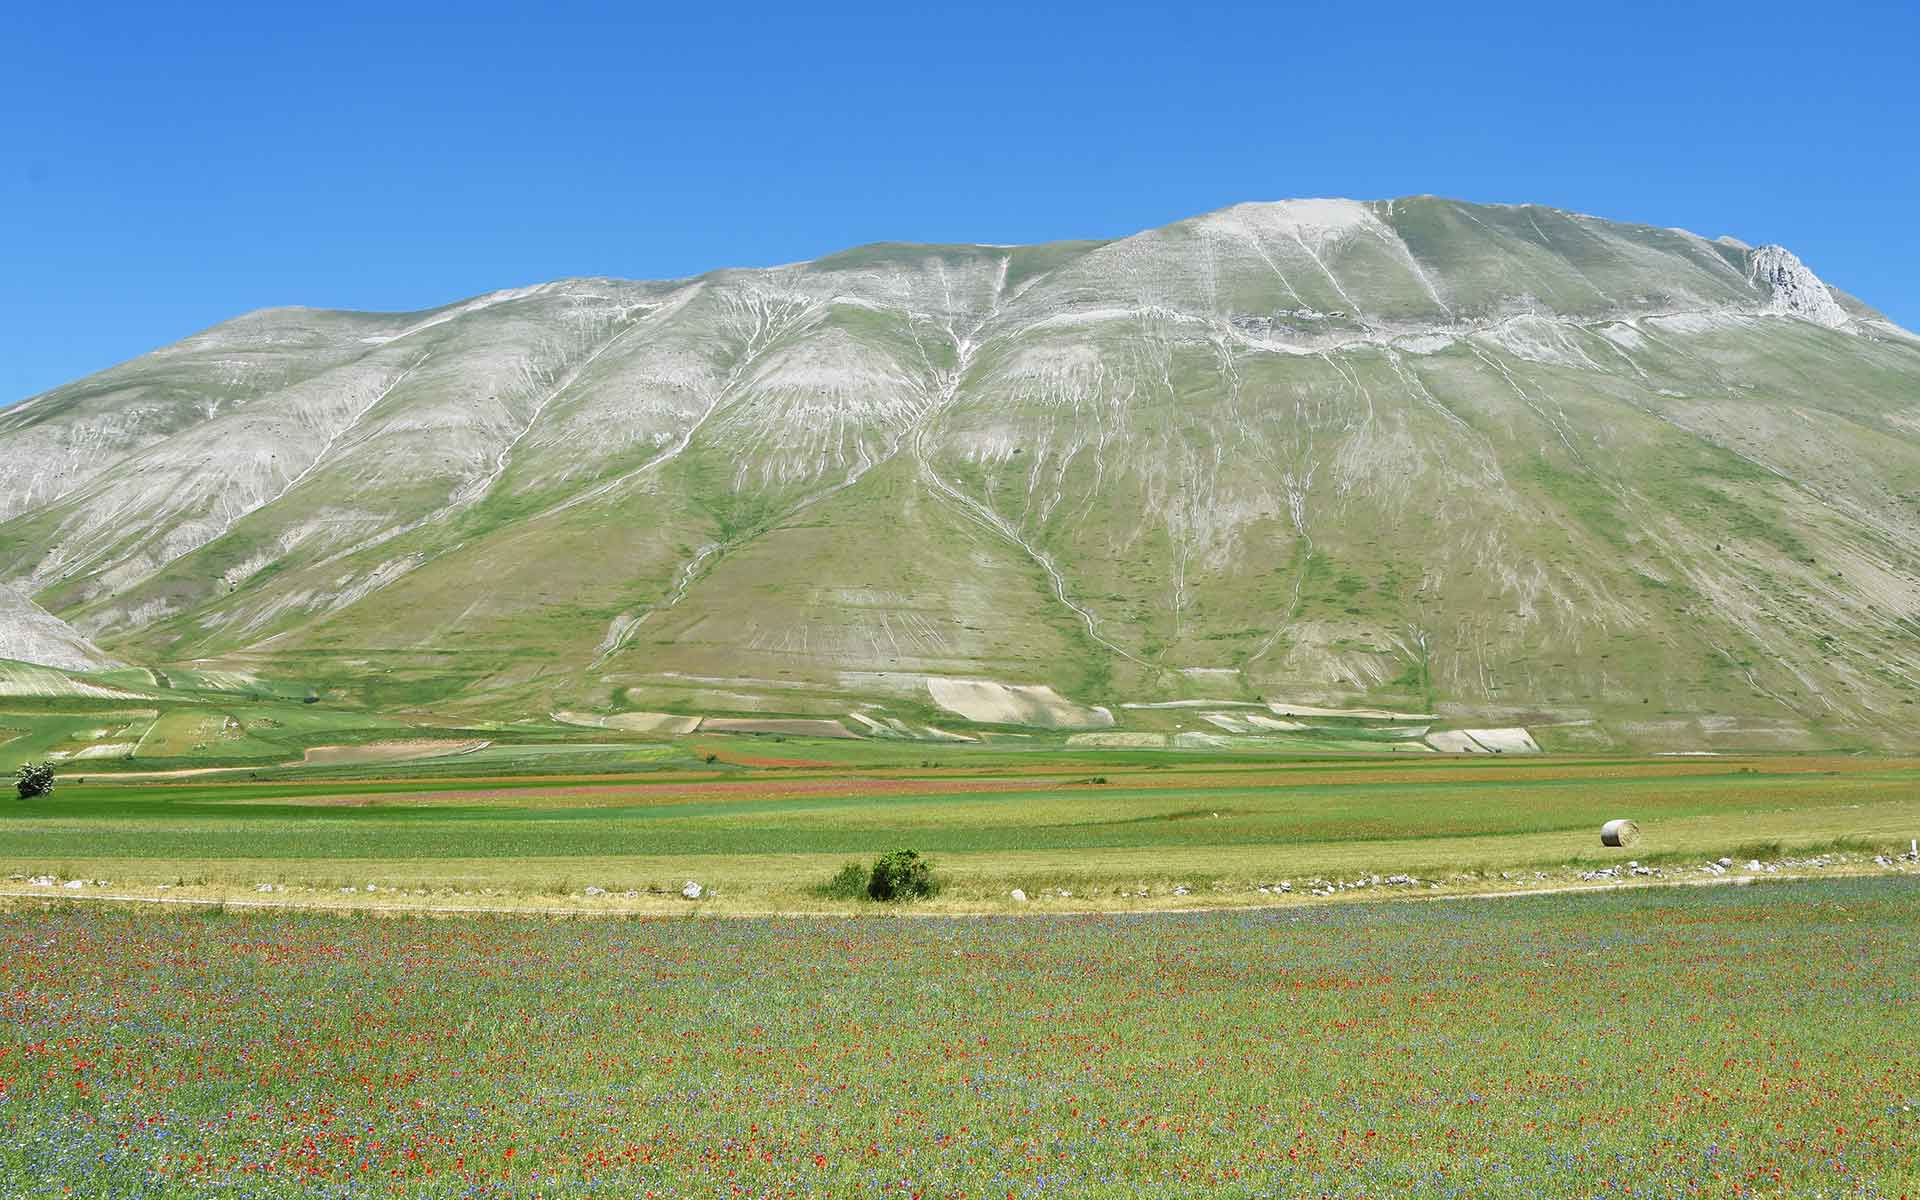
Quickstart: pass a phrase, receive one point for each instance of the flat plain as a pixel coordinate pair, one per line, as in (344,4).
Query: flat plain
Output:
(1670,1042)
(761,823)
(312,953)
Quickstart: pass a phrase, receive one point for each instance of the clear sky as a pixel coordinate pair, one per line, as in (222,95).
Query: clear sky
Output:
(167,166)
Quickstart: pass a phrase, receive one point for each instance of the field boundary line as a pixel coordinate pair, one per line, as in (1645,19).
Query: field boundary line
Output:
(146,733)
(1027,914)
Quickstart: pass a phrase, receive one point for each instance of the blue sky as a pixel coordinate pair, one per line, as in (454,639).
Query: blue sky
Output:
(169,166)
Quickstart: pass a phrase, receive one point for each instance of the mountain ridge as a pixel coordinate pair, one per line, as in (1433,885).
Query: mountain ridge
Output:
(1111,457)
(884,245)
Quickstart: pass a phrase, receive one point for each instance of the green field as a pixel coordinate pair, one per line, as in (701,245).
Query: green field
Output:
(158,729)
(1677,1042)
(766,821)
(181,1015)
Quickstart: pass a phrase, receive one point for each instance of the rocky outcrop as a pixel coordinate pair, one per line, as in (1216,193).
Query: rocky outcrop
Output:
(1793,289)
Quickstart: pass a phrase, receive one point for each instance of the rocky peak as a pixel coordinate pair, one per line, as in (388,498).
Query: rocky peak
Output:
(1792,288)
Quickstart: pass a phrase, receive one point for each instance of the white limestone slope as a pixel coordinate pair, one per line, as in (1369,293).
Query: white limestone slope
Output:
(1310,448)
(29,633)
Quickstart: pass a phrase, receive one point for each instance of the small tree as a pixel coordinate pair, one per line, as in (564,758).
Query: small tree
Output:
(34,779)
(902,875)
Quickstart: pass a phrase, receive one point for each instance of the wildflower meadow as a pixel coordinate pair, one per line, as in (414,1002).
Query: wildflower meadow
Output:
(1749,1041)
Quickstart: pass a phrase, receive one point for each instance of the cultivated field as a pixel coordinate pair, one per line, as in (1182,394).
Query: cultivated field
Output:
(762,823)
(1674,1042)
(178,1017)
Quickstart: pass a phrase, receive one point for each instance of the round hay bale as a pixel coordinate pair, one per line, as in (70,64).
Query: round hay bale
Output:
(1619,833)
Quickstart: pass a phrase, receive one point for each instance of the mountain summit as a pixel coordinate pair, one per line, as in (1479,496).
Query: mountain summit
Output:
(1510,463)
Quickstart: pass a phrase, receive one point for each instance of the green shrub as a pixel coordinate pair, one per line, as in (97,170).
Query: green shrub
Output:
(901,875)
(34,779)
(848,883)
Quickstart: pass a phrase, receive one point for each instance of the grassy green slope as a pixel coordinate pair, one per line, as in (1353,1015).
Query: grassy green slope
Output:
(1510,463)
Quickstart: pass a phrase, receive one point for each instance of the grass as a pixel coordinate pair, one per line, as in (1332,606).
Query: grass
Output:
(1732,1041)
(23,680)
(766,824)
(194,733)
(174,727)
(37,735)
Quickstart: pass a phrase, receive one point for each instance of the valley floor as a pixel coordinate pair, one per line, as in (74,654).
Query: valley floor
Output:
(1718,1042)
(762,827)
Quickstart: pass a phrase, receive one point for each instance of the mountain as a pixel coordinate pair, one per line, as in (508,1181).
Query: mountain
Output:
(1626,485)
